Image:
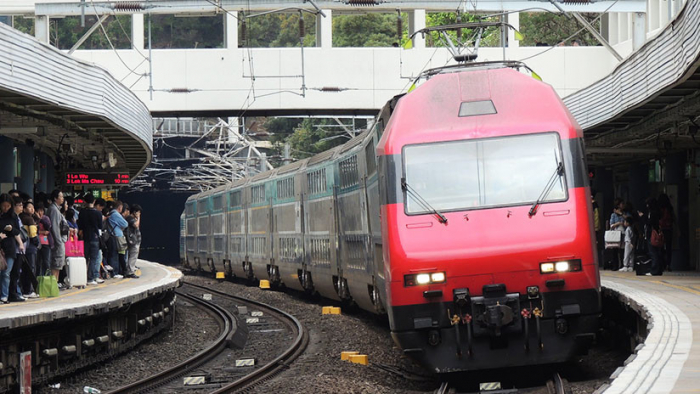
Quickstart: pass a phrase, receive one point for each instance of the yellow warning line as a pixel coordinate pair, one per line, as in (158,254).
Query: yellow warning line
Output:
(65,295)
(684,288)
(659,282)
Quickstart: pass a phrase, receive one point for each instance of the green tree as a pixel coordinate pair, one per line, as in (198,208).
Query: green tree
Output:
(551,29)
(169,31)
(25,25)
(370,30)
(65,32)
(490,38)
(276,31)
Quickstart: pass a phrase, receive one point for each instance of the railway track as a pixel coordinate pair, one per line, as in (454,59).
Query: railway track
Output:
(213,360)
(557,385)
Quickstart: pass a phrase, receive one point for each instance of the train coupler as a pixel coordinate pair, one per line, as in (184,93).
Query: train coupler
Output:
(454,321)
(538,314)
(526,314)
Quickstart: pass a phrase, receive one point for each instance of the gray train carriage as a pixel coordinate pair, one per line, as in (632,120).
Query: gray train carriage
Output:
(183,241)
(203,247)
(287,265)
(320,226)
(312,225)
(259,239)
(237,223)
(191,232)
(357,268)
(216,236)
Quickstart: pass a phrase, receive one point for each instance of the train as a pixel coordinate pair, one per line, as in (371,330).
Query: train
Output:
(463,213)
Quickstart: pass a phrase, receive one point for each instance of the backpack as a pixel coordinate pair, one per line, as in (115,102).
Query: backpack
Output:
(657,238)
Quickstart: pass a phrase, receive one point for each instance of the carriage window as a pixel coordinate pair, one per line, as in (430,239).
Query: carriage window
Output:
(379,127)
(235,199)
(483,173)
(316,181)
(202,207)
(189,209)
(370,158)
(257,194)
(217,201)
(348,172)
(285,188)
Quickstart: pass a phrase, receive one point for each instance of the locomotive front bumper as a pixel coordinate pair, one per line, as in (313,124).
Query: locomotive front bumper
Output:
(500,331)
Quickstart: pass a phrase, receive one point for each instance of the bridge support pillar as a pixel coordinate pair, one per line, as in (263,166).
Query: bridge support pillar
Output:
(639,35)
(416,21)
(41,28)
(137,31)
(231,30)
(324,30)
(514,20)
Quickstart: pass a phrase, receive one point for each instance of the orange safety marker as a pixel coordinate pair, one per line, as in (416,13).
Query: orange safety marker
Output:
(345,356)
(264,284)
(358,359)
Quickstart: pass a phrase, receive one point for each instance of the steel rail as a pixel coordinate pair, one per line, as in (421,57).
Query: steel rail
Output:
(278,364)
(226,320)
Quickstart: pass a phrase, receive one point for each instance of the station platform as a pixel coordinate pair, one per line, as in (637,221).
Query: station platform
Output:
(91,300)
(669,359)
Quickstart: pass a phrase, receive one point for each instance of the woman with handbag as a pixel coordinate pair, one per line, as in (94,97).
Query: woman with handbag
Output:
(10,244)
(27,218)
(614,236)
(116,224)
(43,261)
(653,236)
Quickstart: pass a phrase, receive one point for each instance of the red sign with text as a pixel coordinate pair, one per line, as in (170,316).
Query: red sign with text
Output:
(97,179)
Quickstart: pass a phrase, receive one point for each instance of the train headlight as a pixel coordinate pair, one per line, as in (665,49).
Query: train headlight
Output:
(437,277)
(560,266)
(425,278)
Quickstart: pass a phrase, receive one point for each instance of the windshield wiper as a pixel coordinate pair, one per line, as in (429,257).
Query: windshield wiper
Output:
(409,190)
(548,187)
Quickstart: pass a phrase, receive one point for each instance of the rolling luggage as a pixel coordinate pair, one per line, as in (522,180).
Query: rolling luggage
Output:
(642,264)
(76,272)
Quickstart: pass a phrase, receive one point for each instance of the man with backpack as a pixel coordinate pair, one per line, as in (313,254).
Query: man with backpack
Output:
(133,238)
(90,224)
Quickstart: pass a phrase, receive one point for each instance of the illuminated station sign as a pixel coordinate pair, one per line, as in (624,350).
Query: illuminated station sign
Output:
(97,178)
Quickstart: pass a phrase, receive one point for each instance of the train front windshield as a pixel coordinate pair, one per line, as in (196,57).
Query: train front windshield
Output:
(485,173)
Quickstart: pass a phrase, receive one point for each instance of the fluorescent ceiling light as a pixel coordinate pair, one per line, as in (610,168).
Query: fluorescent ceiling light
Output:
(19,130)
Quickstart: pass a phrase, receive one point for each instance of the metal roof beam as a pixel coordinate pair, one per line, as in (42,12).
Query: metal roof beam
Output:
(204,7)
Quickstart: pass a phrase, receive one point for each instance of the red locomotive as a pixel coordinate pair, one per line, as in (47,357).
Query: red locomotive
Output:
(471,225)
(488,242)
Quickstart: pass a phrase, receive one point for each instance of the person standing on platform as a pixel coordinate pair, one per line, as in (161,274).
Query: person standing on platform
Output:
(133,238)
(628,260)
(666,220)
(59,230)
(652,232)
(30,226)
(597,226)
(45,240)
(10,242)
(15,290)
(117,245)
(90,223)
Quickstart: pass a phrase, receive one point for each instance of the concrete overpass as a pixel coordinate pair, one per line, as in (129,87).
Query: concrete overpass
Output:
(231,81)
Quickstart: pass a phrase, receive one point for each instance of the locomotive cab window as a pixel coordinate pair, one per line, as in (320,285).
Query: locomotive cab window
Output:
(472,174)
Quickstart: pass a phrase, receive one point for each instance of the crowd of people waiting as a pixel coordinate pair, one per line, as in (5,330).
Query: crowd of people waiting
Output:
(34,232)
(643,234)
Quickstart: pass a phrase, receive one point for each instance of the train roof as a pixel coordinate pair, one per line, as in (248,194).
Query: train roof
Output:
(455,105)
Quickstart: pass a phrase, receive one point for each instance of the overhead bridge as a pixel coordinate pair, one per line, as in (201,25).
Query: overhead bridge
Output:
(324,79)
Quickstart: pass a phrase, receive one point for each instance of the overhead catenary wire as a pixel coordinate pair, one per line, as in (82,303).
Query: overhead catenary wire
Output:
(104,31)
(571,36)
